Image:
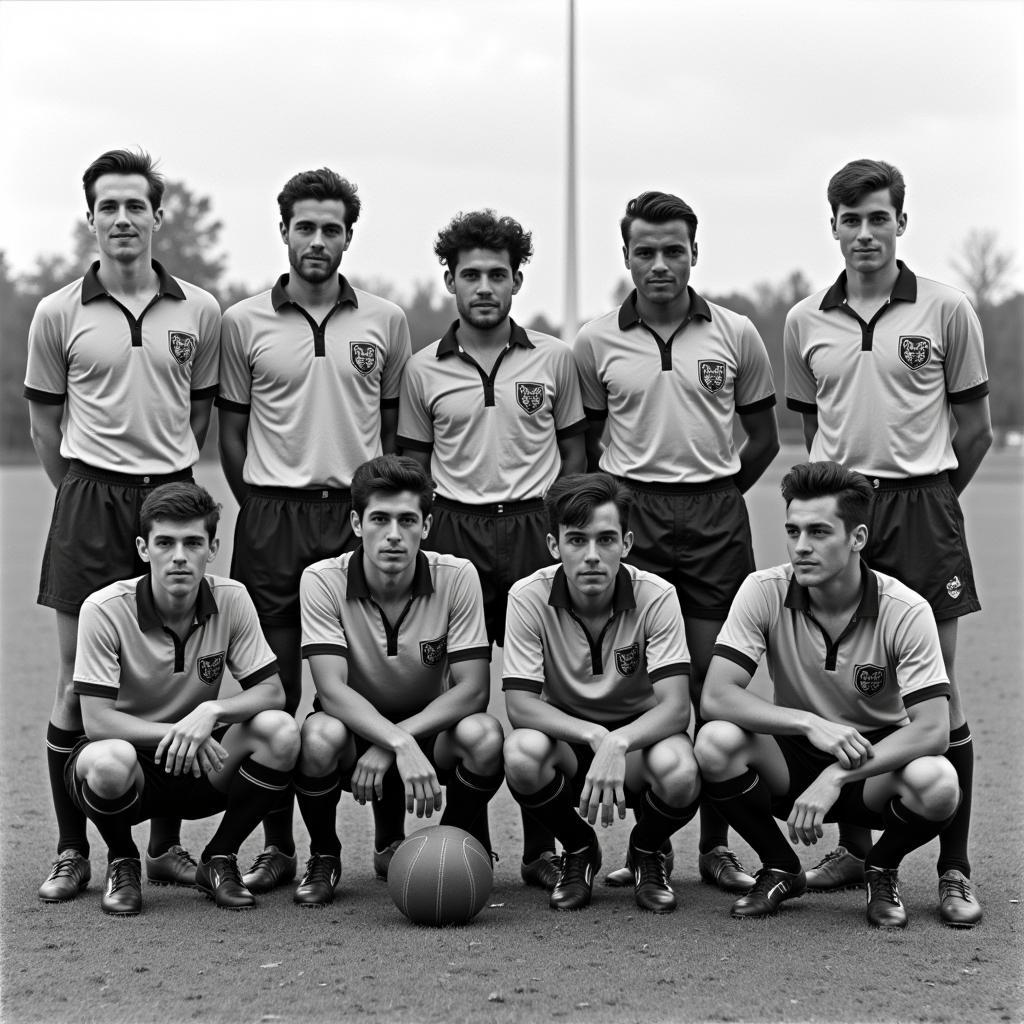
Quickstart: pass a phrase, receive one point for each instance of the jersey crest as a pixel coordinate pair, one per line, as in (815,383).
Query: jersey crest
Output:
(433,652)
(211,668)
(182,345)
(627,659)
(711,374)
(869,679)
(529,395)
(915,350)
(954,587)
(364,356)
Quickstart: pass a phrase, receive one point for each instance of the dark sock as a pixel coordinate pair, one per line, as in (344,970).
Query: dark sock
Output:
(953,840)
(746,803)
(389,811)
(659,821)
(70,820)
(466,797)
(163,834)
(552,805)
(904,831)
(277,825)
(253,791)
(537,839)
(113,818)
(714,829)
(318,804)
(855,838)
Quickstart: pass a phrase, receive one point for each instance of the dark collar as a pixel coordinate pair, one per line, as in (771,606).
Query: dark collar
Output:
(904,290)
(279,297)
(799,598)
(358,589)
(149,617)
(447,345)
(623,598)
(629,317)
(92,287)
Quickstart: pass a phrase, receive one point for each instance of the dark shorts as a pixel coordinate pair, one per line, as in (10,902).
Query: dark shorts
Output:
(91,542)
(696,537)
(917,534)
(505,542)
(278,533)
(584,755)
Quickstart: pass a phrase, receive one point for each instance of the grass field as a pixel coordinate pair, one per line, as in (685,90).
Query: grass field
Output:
(183,960)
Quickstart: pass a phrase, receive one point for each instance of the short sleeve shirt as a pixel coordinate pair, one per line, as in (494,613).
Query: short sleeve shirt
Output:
(671,406)
(609,678)
(882,391)
(887,659)
(399,667)
(127,383)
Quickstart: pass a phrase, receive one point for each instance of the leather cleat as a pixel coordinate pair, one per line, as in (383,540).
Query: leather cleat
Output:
(885,908)
(621,877)
(382,858)
(771,886)
(68,876)
(543,872)
(958,905)
(219,880)
(575,882)
(122,894)
(837,870)
(650,880)
(175,867)
(319,882)
(270,869)
(721,867)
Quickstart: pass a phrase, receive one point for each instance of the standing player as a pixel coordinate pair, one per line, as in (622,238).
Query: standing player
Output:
(396,643)
(860,714)
(881,365)
(151,657)
(122,371)
(493,411)
(594,680)
(669,373)
(309,390)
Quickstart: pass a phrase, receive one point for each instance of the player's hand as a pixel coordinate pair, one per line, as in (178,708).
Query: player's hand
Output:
(210,758)
(181,742)
(843,742)
(808,814)
(368,774)
(604,786)
(422,790)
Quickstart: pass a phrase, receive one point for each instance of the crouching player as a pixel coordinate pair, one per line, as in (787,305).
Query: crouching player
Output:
(860,715)
(396,643)
(595,684)
(159,741)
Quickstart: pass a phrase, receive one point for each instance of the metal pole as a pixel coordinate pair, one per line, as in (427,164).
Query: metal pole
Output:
(570,319)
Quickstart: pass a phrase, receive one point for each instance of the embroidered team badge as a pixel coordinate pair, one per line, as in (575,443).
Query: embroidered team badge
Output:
(183,346)
(432,652)
(915,350)
(211,668)
(869,679)
(364,356)
(711,374)
(529,395)
(627,659)
(954,587)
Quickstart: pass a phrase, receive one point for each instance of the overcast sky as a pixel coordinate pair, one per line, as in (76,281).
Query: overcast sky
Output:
(433,106)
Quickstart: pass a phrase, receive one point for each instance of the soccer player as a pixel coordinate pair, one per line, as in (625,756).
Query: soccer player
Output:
(668,374)
(396,643)
(493,411)
(860,715)
(595,686)
(882,365)
(122,371)
(151,658)
(309,390)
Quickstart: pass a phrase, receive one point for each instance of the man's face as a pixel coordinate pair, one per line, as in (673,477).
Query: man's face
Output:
(867,232)
(483,285)
(316,238)
(121,217)
(591,554)
(659,258)
(818,543)
(392,528)
(177,553)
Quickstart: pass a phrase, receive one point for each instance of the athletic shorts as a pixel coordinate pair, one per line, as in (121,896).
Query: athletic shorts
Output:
(505,542)
(696,537)
(92,533)
(278,533)
(584,755)
(917,534)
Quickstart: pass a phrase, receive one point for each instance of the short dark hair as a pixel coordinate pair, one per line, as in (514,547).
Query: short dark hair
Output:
(123,161)
(391,474)
(658,208)
(483,229)
(571,500)
(859,178)
(320,184)
(179,502)
(852,490)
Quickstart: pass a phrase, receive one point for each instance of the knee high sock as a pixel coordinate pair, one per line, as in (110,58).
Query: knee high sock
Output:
(318,798)
(714,829)
(163,834)
(254,790)
(536,838)
(953,839)
(113,818)
(277,823)
(389,812)
(904,831)
(71,833)
(466,797)
(553,807)
(659,821)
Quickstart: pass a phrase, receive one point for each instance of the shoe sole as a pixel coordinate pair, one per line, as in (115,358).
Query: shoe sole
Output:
(63,899)
(121,913)
(966,925)
(845,887)
(213,899)
(159,882)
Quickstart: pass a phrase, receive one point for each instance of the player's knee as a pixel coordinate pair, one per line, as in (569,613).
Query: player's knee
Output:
(323,738)
(932,785)
(480,739)
(277,737)
(673,771)
(109,767)
(524,753)
(716,746)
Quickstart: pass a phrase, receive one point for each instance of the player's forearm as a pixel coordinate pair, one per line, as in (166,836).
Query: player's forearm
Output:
(360,716)
(755,457)
(653,726)
(265,696)
(530,712)
(446,710)
(46,441)
(919,739)
(199,420)
(232,460)
(730,703)
(110,724)
(969,451)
